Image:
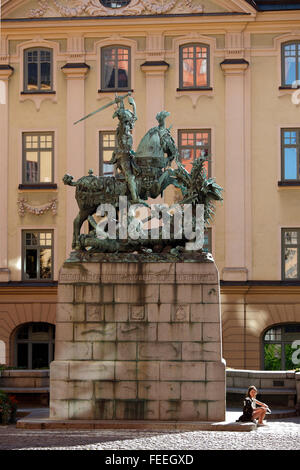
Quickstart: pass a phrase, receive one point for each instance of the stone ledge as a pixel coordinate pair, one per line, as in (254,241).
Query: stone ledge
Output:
(38,419)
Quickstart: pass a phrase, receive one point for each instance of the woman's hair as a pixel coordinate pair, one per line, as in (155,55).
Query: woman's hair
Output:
(252,387)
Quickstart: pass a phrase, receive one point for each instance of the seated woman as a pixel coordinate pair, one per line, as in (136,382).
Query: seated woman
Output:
(250,411)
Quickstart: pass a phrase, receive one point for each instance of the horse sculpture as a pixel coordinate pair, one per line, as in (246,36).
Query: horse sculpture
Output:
(151,169)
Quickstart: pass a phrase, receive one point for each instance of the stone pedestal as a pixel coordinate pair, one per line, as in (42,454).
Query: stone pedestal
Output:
(138,341)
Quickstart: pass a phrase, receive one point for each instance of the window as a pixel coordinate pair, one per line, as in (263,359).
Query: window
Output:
(35,345)
(38,157)
(38,70)
(192,144)
(290,63)
(115,66)
(37,255)
(290,154)
(194,66)
(207,246)
(107,146)
(277,346)
(290,254)
(115,4)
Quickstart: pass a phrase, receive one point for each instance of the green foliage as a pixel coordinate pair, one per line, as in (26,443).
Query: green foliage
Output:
(8,408)
(272,356)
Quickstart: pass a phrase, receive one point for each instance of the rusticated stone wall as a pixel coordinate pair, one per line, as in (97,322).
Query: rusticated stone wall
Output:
(138,341)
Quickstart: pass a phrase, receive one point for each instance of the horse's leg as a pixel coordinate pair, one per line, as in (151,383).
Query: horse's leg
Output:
(77,224)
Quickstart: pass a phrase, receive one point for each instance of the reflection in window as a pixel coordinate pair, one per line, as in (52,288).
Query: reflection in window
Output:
(115,3)
(290,144)
(107,147)
(35,345)
(290,254)
(207,246)
(194,66)
(192,144)
(277,346)
(290,63)
(38,153)
(38,255)
(38,70)
(115,68)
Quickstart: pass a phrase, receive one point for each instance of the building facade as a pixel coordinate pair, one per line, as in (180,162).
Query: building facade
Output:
(228,73)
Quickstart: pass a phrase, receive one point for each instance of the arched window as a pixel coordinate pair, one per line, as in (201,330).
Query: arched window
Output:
(115,68)
(34,345)
(290,62)
(277,346)
(38,70)
(194,66)
(2,352)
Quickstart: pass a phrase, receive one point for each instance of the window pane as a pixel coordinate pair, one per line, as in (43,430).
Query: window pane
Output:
(46,167)
(290,265)
(45,263)
(32,167)
(290,163)
(22,355)
(188,73)
(122,68)
(40,355)
(23,333)
(288,352)
(45,76)
(32,83)
(290,238)
(109,65)
(31,264)
(201,72)
(108,170)
(290,70)
(272,356)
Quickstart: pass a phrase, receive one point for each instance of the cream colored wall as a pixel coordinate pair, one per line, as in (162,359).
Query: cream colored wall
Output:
(273,207)
(24,117)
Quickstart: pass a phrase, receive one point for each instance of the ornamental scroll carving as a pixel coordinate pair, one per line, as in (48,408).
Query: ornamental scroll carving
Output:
(54,8)
(24,206)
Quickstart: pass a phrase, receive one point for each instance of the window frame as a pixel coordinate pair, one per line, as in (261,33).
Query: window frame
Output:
(101,148)
(297,79)
(23,241)
(25,78)
(30,342)
(195,131)
(282,341)
(284,146)
(194,87)
(283,245)
(102,51)
(24,151)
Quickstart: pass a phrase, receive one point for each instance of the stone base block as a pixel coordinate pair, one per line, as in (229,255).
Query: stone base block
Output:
(138,341)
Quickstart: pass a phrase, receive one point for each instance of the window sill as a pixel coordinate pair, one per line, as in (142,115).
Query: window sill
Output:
(39,92)
(204,88)
(45,186)
(283,184)
(116,90)
(288,87)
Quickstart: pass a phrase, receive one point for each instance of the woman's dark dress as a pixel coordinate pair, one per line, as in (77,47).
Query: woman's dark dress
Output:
(249,404)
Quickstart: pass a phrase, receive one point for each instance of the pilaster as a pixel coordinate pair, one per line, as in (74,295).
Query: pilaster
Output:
(5,73)
(75,73)
(235,156)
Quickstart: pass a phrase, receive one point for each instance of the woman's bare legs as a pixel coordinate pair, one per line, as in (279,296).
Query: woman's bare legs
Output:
(259,414)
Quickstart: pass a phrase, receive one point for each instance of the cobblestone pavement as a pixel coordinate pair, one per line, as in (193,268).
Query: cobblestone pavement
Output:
(283,434)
